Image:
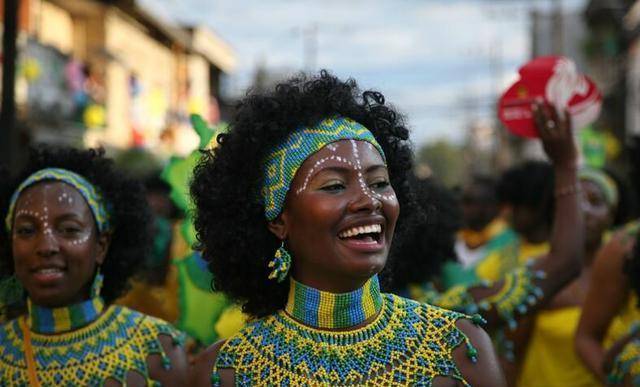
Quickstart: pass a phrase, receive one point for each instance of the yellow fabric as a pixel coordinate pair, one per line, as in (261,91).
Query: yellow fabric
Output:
(157,301)
(550,360)
(621,323)
(500,262)
(474,239)
(230,322)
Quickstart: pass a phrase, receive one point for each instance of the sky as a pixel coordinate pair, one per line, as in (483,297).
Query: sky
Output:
(440,62)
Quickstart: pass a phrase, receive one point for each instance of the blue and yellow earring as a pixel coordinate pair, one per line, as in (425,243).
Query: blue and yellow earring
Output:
(281,263)
(96,286)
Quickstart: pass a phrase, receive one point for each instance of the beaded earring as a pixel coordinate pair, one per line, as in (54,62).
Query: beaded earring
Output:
(281,263)
(96,287)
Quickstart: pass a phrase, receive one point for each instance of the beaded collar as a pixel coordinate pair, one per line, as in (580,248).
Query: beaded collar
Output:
(326,310)
(406,344)
(68,318)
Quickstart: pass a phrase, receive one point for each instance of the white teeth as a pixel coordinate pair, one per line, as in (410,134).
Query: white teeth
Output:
(369,229)
(49,271)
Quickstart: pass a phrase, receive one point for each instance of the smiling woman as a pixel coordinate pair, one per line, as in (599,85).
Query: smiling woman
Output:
(296,211)
(75,231)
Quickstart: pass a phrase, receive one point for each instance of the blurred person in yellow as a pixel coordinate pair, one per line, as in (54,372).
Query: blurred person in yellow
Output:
(483,230)
(525,194)
(549,356)
(611,314)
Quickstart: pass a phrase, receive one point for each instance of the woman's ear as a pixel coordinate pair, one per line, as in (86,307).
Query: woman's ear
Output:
(279,227)
(104,240)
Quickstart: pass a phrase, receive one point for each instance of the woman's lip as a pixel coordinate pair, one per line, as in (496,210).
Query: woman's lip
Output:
(48,276)
(365,246)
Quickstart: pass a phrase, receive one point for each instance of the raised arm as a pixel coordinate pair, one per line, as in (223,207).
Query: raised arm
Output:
(608,290)
(503,302)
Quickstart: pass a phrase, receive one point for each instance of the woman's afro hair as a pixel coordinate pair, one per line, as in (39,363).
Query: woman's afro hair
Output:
(529,184)
(230,220)
(430,241)
(130,216)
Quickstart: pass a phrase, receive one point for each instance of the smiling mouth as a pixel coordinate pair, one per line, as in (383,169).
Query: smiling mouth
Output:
(48,274)
(369,233)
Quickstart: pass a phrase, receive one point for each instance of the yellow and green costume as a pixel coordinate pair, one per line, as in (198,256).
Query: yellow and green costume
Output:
(509,256)
(404,343)
(81,345)
(550,360)
(627,363)
(472,248)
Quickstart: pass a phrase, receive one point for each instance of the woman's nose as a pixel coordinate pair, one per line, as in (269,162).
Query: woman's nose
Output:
(47,243)
(364,200)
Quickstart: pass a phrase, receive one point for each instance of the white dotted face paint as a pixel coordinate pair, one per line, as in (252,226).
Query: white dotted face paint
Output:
(81,240)
(354,164)
(56,201)
(64,198)
(363,184)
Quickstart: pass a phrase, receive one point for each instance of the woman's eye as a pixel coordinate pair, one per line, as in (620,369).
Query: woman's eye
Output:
(70,230)
(24,230)
(380,184)
(333,187)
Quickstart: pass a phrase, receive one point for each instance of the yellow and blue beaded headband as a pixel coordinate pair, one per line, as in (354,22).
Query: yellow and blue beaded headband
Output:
(87,190)
(283,162)
(603,181)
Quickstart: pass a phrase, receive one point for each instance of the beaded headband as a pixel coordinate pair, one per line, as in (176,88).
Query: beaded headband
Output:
(603,181)
(86,189)
(283,162)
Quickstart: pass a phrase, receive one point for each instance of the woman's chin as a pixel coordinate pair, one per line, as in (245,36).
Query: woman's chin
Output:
(367,268)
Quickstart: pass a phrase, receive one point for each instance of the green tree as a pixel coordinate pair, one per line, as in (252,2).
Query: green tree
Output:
(446,161)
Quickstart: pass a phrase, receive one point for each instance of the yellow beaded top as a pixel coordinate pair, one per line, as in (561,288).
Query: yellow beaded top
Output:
(408,343)
(116,343)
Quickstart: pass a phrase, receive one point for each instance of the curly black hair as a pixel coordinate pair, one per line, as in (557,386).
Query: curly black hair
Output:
(529,184)
(129,213)
(230,221)
(429,243)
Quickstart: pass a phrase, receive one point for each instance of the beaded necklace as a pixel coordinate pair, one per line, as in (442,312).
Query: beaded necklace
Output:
(57,320)
(406,344)
(117,343)
(326,310)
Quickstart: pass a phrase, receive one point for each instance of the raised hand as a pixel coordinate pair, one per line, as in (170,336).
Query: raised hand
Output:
(556,134)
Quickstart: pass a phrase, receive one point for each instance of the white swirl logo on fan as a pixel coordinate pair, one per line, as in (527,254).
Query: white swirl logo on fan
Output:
(563,85)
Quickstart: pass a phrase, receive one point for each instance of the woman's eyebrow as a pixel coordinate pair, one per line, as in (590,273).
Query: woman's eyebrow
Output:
(375,167)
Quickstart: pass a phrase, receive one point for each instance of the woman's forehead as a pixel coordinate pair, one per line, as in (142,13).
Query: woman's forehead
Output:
(352,150)
(50,192)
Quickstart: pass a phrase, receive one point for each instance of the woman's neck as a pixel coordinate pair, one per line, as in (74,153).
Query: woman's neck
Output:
(321,309)
(63,319)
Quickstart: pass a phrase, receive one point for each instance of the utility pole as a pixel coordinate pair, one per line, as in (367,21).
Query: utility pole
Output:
(557,28)
(8,131)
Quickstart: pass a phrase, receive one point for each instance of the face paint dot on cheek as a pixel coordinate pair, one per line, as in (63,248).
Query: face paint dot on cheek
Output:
(80,240)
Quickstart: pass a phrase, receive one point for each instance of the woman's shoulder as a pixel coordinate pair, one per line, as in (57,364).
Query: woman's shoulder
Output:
(147,325)
(434,314)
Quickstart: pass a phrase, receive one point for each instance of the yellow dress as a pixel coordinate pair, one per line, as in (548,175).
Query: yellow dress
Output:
(550,360)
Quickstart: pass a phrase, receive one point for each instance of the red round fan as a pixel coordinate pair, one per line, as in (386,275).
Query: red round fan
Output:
(557,81)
